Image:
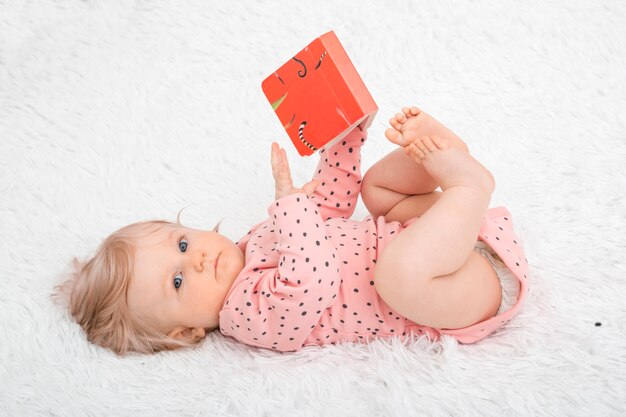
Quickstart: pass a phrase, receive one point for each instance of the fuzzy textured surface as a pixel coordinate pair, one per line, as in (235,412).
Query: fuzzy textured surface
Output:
(114,112)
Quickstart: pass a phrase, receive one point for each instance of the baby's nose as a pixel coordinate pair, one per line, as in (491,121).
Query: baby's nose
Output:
(199,258)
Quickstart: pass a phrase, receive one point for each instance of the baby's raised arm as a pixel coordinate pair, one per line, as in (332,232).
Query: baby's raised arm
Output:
(339,176)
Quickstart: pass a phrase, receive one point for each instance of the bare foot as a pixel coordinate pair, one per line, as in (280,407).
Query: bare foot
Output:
(449,165)
(413,124)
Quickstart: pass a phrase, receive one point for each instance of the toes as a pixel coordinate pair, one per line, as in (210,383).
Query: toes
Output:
(394,136)
(400,117)
(411,111)
(395,124)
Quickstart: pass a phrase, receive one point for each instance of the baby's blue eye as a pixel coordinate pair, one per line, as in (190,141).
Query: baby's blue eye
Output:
(182,245)
(178,280)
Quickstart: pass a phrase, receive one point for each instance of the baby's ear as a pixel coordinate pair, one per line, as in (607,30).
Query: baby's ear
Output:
(187,334)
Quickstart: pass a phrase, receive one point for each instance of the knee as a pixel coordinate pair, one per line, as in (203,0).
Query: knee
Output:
(368,194)
(367,182)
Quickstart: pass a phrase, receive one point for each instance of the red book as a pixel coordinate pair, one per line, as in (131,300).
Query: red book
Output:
(318,95)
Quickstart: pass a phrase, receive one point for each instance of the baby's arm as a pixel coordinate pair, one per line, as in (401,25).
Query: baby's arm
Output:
(339,175)
(277,306)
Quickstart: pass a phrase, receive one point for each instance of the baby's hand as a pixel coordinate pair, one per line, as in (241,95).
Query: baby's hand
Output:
(282,175)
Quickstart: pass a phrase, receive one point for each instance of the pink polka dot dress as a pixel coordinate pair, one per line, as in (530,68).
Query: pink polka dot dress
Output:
(308,277)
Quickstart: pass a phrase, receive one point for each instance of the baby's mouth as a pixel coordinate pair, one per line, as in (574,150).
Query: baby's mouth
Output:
(215,265)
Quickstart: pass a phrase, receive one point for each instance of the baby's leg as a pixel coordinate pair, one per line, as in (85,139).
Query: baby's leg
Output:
(396,187)
(441,241)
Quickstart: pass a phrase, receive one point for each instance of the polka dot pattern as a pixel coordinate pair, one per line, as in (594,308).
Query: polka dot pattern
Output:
(308,277)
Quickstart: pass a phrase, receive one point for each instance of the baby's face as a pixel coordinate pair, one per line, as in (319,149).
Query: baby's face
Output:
(176,282)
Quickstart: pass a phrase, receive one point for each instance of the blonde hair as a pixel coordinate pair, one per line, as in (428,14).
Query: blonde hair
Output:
(96,295)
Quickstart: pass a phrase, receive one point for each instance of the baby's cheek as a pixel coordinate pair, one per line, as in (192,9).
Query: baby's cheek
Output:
(211,305)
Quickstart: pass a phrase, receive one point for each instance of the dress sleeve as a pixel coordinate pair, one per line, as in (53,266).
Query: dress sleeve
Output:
(285,302)
(339,174)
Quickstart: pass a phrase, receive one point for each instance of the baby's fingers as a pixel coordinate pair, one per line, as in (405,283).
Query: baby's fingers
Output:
(277,160)
(283,155)
(280,166)
(273,154)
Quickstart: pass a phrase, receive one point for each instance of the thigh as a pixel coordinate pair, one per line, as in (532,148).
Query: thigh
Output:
(398,172)
(457,300)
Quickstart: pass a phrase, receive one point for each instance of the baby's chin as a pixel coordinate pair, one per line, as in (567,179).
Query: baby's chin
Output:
(229,264)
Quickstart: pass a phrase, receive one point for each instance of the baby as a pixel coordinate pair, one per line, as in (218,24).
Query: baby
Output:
(425,262)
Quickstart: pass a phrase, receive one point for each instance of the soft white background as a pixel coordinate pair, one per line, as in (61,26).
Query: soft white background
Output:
(114,112)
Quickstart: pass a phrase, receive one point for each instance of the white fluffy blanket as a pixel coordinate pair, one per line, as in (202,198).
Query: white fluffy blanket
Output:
(119,111)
